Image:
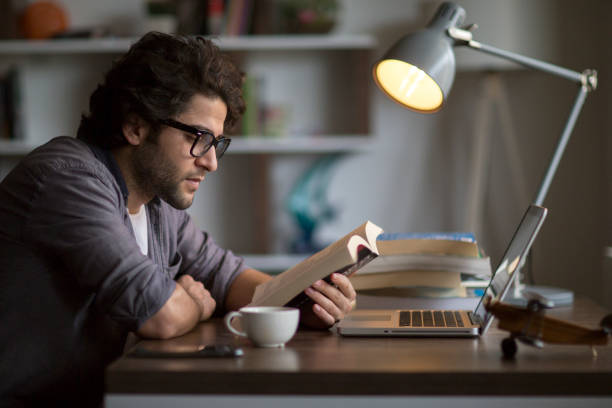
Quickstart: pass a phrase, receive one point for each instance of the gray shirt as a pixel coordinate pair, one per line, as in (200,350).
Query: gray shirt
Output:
(73,281)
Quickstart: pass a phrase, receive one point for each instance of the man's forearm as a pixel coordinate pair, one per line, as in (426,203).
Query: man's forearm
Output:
(242,289)
(178,315)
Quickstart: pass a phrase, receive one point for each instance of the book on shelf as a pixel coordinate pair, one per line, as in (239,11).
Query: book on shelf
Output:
(11,127)
(346,256)
(434,264)
(238,17)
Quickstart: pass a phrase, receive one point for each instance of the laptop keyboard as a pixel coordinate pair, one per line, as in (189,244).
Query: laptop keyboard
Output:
(430,318)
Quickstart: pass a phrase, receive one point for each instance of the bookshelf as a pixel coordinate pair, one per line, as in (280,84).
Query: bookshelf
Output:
(244,43)
(43,63)
(252,145)
(323,79)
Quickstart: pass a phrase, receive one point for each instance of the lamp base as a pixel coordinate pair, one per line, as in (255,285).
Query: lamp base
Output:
(559,297)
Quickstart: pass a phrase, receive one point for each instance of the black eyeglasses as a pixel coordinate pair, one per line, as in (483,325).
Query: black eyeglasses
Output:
(203,139)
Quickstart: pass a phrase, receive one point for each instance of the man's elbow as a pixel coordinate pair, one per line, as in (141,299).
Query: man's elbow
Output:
(156,328)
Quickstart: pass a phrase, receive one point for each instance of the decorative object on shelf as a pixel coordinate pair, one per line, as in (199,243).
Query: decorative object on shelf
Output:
(309,16)
(160,16)
(214,17)
(418,72)
(262,118)
(251,92)
(43,19)
(530,326)
(308,204)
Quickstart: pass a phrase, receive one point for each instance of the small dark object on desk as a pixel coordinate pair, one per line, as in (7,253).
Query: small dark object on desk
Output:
(212,350)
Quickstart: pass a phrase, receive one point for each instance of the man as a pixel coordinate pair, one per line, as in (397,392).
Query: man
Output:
(94,239)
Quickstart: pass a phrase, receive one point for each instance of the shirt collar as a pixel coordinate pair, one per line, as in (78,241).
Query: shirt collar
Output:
(106,157)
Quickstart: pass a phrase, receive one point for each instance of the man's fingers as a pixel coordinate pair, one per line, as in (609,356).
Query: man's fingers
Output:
(332,301)
(325,296)
(185,280)
(199,294)
(342,295)
(322,314)
(209,306)
(345,286)
(188,283)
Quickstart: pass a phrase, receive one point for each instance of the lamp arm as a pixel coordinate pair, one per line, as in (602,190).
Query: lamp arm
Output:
(586,79)
(528,61)
(563,139)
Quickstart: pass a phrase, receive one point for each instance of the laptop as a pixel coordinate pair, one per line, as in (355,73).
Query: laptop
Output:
(451,323)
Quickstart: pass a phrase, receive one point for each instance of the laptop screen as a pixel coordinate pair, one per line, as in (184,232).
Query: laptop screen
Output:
(513,260)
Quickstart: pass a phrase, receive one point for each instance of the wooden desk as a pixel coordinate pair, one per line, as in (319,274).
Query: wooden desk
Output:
(323,364)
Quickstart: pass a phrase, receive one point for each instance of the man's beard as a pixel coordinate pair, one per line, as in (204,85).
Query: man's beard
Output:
(156,175)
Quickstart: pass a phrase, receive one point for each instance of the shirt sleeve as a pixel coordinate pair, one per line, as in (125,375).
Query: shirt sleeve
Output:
(77,220)
(206,261)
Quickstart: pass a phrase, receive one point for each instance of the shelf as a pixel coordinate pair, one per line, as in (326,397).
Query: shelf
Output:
(290,145)
(77,46)
(15,148)
(254,145)
(297,42)
(273,262)
(251,43)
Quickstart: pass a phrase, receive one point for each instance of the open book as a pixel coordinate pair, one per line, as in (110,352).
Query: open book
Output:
(345,256)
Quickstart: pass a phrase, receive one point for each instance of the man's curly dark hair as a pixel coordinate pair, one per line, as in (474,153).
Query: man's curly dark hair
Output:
(155,80)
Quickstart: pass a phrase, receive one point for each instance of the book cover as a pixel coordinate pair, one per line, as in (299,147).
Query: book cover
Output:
(451,243)
(408,278)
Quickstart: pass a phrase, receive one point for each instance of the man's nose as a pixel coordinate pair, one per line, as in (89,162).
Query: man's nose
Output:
(208,160)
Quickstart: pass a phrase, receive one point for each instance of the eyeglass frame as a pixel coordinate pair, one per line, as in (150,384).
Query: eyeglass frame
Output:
(199,133)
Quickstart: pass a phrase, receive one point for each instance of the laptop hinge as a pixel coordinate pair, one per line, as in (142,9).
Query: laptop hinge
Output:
(474,319)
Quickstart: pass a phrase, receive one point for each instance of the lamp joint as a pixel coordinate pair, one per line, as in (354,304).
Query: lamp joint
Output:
(589,79)
(460,34)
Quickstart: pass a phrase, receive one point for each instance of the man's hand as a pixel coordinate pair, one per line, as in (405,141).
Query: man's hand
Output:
(199,294)
(189,304)
(331,303)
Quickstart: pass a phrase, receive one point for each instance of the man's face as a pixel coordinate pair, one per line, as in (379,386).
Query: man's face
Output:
(163,166)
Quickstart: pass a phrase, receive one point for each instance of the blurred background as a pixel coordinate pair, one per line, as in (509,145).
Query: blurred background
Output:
(321,149)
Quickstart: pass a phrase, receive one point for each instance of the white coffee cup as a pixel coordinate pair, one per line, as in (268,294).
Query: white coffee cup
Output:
(266,326)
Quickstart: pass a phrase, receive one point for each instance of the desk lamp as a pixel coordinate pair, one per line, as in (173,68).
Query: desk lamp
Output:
(418,72)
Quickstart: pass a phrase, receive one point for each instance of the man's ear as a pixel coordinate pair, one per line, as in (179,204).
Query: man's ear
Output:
(135,130)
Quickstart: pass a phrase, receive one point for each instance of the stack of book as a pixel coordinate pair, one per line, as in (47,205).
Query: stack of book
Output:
(429,265)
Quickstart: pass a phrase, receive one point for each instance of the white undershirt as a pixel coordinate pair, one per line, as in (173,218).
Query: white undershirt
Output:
(139,223)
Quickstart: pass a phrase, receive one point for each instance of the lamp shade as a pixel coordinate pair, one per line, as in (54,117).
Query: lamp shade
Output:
(418,71)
